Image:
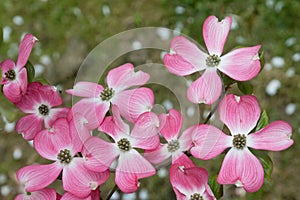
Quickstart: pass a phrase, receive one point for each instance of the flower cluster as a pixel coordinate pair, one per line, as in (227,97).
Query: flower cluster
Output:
(133,140)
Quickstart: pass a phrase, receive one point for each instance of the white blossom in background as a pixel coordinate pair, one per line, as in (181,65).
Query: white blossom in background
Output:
(268,67)
(162,173)
(163,33)
(290,109)
(277,62)
(179,10)
(39,69)
(270,3)
(144,194)
(296,57)
(279,5)
(290,41)
(13,50)
(272,87)
(45,60)
(190,111)
(77,11)
(17,154)
(6,33)
(235,24)
(290,72)
(168,104)
(5,190)
(162,55)
(3,178)
(115,195)
(105,10)
(18,20)
(129,196)
(136,45)
(240,39)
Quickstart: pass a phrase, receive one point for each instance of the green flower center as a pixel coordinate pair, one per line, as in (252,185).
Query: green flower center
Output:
(64,156)
(10,75)
(44,110)
(107,94)
(173,146)
(239,141)
(196,196)
(213,60)
(124,144)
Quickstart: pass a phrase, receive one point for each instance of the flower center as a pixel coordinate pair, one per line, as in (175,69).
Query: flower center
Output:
(213,60)
(107,94)
(196,196)
(44,110)
(124,144)
(239,141)
(173,146)
(64,156)
(10,75)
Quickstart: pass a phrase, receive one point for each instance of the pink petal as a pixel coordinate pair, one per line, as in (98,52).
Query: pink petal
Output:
(47,193)
(172,125)
(92,110)
(241,64)
(242,166)
(145,131)
(37,177)
(29,126)
(215,34)
(80,181)
(50,94)
(99,154)
(157,155)
(240,114)
(12,91)
(132,167)
(209,141)
(109,127)
(79,131)
(206,89)
(86,89)
(95,195)
(124,77)
(25,49)
(185,57)
(274,137)
(22,80)
(132,103)
(183,160)
(5,66)
(54,114)
(188,180)
(44,146)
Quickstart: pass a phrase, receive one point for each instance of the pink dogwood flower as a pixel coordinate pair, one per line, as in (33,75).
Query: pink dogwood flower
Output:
(98,98)
(240,166)
(38,103)
(14,76)
(189,181)
(46,193)
(61,147)
(176,145)
(129,164)
(95,195)
(186,58)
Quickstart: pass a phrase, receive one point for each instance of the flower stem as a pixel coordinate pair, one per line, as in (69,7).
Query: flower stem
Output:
(112,192)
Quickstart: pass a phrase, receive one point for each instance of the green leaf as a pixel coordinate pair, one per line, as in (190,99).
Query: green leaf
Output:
(263,121)
(227,80)
(30,71)
(262,60)
(216,188)
(245,87)
(1,35)
(266,162)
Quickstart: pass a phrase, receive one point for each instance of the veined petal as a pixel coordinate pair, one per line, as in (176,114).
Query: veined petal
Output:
(22,80)
(206,89)
(25,49)
(209,141)
(29,126)
(78,130)
(95,194)
(124,76)
(12,91)
(215,34)
(44,146)
(241,64)
(274,137)
(50,95)
(80,181)
(157,155)
(5,66)
(132,103)
(240,114)
(86,89)
(37,177)
(185,57)
(54,114)
(241,166)
(46,193)
(172,124)
(132,167)
(99,154)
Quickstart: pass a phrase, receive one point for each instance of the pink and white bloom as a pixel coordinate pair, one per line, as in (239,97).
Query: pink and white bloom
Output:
(97,99)
(190,182)
(240,166)
(14,76)
(121,155)
(60,147)
(176,145)
(186,58)
(46,193)
(38,103)
(95,195)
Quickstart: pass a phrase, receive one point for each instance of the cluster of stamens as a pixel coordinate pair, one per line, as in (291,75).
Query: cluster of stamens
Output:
(10,75)
(196,196)
(173,146)
(64,156)
(239,141)
(44,110)
(107,94)
(212,60)
(124,144)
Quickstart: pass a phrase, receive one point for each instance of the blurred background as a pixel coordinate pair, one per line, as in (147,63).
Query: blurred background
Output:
(69,30)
